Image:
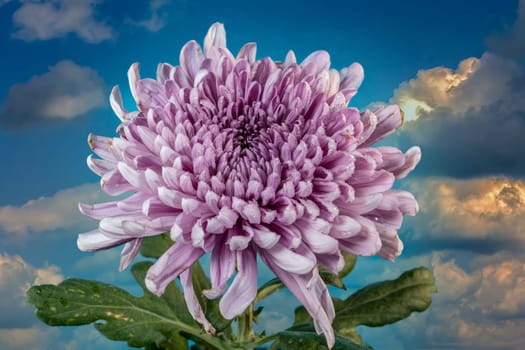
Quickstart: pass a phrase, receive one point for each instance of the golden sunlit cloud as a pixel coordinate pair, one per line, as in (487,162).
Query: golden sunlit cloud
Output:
(476,208)
(432,88)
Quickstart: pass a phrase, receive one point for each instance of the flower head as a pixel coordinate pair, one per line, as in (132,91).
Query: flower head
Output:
(239,157)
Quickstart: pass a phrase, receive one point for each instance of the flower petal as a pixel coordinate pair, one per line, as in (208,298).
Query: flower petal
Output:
(178,258)
(243,290)
(95,240)
(191,58)
(365,243)
(312,293)
(222,265)
(115,100)
(412,158)
(351,79)
(216,37)
(194,307)
(129,252)
(392,245)
(101,210)
(289,261)
(389,118)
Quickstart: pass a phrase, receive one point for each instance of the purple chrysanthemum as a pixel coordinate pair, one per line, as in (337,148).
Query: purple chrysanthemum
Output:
(240,157)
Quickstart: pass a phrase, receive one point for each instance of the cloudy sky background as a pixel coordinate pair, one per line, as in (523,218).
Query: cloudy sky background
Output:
(456,68)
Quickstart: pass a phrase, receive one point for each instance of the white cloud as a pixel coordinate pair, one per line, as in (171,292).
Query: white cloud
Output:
(278,312)
(51,19)
(65,92)
(59,211)
(16,276)
(45,337)
(20,329)
(157,19)
(88,338)
(33,338)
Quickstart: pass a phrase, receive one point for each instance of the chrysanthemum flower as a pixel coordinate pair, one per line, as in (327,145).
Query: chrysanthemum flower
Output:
(239,157)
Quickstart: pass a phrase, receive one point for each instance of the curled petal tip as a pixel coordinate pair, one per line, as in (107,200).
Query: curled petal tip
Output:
(151,286)
(216,37)
(134,79)
(115,101)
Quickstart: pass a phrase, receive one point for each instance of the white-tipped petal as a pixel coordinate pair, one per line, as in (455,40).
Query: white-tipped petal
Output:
(115,100)
(290,261)
(216,37)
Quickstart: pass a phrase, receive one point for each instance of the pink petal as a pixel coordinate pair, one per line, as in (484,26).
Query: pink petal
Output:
(95,240)
(129,252)
(178,258)
(364,204)
(264,237)
(319,60)
(412,158)
(345,227)
(392,245)
(243,290)
(134,81)
(311,291)
(191,58)
(100,211)
(289,261)
(351,79)
(115,100)
(402,200)
(132,176)
(365,243)
(101,146)
(381,181)
(222,265)
(315,234)
(216,37)
(248,52)
(100,166)
(194,307)
(389,118)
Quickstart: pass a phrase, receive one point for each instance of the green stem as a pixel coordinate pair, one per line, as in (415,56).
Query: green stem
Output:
(275,345)
(245,328)
(264,340)
(209,339)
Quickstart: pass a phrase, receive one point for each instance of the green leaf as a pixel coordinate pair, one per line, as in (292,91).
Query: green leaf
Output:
(176,342)
(210,307)
(344,333)
(155,246)
(301,315)
(147,321)
(302,340)
(349,333)
(350,261)
(386,302)
(332,279)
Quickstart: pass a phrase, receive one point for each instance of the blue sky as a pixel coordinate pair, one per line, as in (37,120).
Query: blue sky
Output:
(456,68)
